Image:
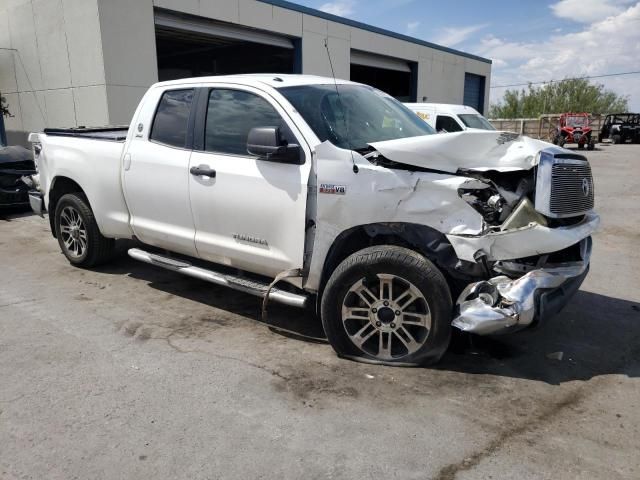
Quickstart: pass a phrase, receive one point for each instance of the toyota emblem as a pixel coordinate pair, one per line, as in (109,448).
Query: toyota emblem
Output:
(586,188)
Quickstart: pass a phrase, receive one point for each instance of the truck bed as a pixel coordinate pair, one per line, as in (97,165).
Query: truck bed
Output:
(112,134)
(92,158)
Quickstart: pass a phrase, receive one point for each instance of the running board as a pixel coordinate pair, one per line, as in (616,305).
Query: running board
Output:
(252,287)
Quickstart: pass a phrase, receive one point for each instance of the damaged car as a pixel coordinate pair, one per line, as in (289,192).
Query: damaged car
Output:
(16,168)
(322,193)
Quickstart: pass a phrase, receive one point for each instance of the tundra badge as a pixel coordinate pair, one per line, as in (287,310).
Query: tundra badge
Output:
(249,238)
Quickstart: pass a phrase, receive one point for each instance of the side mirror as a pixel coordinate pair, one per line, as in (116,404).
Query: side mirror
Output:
(267,143)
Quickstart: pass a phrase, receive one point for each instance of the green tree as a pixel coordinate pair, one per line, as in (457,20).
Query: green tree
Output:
(570,95)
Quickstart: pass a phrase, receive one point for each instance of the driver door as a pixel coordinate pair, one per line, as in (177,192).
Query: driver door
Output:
(249,212)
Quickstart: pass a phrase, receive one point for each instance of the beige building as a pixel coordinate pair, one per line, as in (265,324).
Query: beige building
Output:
(88,62)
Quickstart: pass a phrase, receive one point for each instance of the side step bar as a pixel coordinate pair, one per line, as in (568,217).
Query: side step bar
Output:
(251,287)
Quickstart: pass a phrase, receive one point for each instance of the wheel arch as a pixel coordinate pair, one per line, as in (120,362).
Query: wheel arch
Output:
(422,239)
(60,186)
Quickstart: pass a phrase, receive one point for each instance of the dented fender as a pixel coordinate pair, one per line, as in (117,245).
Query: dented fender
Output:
(376,194)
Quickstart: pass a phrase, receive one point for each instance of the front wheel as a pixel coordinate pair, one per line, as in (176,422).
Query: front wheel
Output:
(387,305)
(78,235)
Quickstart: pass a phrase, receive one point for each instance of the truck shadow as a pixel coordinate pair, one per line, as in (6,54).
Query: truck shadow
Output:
(595,334)
(284,320)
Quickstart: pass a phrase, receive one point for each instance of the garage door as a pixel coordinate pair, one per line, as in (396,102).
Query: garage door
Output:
(474,91)
(194,47)
(394,76)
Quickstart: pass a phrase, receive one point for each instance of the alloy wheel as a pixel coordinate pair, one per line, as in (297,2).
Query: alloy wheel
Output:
(73,231)
(386,316)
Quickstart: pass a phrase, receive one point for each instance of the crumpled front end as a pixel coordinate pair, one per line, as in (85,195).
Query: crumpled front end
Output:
(503,305)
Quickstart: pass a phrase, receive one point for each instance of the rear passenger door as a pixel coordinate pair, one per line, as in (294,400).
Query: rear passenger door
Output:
(251,214)
(156,171)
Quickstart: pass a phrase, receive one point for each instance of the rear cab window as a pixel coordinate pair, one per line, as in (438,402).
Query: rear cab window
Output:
(171,121)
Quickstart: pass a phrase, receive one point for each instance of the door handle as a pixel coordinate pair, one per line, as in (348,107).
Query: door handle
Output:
(203,170)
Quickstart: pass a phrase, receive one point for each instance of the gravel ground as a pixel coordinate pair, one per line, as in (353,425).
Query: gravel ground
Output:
(134,372)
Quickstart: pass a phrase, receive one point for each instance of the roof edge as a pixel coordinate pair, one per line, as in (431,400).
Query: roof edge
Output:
(370,28)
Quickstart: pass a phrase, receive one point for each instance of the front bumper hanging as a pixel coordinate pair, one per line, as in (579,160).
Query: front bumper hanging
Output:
(36,200)
(503,305)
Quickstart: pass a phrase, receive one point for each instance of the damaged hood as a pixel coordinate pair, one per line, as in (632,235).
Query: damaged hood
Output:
(470,150)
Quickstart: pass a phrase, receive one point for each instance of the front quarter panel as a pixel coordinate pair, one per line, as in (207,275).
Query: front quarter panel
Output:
(378,195)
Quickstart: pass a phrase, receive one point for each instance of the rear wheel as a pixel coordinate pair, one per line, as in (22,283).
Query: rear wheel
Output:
(78,235)
(616,139)
(387,305)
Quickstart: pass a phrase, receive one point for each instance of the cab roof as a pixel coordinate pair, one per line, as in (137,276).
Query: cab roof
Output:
(275,80)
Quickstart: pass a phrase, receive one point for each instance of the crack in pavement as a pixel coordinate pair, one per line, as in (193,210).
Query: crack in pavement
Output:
(572,398)
(18,302)
(264,368)
(449,472)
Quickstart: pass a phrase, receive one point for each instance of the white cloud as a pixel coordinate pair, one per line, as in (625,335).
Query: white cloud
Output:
(341,8)
(587,11)
(451,36)
(609,45)
(412,27)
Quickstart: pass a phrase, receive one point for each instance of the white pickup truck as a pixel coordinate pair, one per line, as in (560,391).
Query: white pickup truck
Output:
(340,195)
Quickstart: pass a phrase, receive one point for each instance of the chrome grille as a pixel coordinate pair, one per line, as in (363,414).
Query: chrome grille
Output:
(564,185)
(571,189)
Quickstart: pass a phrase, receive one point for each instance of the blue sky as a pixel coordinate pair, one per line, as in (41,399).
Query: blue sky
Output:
(532,40)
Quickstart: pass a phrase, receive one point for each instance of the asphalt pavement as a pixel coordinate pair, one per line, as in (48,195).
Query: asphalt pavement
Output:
(129,371)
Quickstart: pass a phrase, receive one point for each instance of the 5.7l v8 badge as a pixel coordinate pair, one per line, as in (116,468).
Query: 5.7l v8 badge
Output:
(332,189)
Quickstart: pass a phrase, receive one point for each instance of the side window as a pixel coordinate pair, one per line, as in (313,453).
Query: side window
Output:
(172,118)
(231,114)
(447,123)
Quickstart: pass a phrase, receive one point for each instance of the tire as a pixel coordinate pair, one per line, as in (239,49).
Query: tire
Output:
(561,142)
(414,326)
(78,235)
(591,146)
(616,139)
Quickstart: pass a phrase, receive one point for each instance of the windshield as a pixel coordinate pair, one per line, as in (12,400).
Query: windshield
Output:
(577,121)
(473,120)
(359,115)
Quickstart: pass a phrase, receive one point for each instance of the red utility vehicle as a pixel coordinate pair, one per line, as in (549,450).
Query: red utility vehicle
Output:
(573,128)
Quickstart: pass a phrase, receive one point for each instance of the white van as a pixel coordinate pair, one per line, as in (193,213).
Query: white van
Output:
(446,117)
